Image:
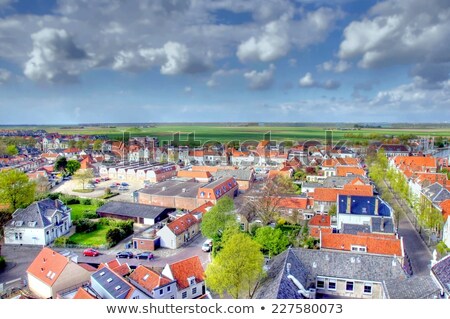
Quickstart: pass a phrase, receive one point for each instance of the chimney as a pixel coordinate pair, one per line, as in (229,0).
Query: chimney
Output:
(376,206)
(288,268)
(382,224)
(349,205)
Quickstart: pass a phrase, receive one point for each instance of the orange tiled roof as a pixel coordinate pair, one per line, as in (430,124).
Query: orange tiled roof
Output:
(72,150)
(294,202)
(445,205)
(330,194)
(83,294)
(88,267)
(149,279)
(432,178)
(194,174)
(315,231)
(180,225)
(184,269)
(48,266)
(374,245)
(320,221)
(416,163)
(203,208)
(123,270)
(346,170)
(211,169)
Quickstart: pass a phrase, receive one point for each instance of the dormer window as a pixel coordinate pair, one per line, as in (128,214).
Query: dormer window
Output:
(191,281)
(357,248)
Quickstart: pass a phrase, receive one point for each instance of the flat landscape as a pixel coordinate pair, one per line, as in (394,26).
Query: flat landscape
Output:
(221,133)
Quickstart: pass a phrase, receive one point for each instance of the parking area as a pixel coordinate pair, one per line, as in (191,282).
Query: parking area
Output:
(125,193)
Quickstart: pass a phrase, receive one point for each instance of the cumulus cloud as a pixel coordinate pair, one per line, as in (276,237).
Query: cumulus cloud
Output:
(400,32)
(214,80)
(173,58)
(54,56)
(337,67)
(272,44)
(187,89)
(260,80)
(5,76)
(307,81)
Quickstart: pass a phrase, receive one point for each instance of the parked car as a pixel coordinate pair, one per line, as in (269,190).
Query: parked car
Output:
(207,245)
(124,254)
(90,186)
(105,178)
(145,255)
(91,252)
(113,185)
(124,184)
(97,180)
(122,188)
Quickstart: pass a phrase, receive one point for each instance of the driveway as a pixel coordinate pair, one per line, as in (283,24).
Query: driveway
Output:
(18,259)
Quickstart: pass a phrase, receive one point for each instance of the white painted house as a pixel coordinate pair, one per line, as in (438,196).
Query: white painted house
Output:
(38,224)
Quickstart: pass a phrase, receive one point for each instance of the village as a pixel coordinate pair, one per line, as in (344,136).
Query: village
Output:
(142,219)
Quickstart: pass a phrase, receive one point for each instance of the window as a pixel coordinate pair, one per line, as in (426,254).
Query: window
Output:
(168,288)
(331,284)
(136,297)
(349,286)
(161,292)
(320,284)
(368,288)
(194,290)
(361,249)
(16,235)
(172,297)
(184,295)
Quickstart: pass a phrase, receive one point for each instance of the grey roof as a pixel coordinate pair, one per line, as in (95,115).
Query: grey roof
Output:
(311,184)
(112,283)
(215,183)
(353,229)
(307,264)
(173,188)
(40,212)
(238,174)
(415,287)
(441,271)
(132,209)
(340,181)
(375,223)
(436,193)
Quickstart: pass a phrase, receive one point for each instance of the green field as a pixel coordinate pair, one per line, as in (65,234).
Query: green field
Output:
(78,210)
(94,239)
(224,133)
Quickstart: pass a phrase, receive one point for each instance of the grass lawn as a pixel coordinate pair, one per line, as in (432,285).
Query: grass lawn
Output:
(95,238)
(78,210)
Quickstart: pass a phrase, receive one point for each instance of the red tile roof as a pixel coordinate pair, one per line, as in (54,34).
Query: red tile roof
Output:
(83,294)
(348,170)
(88,267)
(123,270)
(445,205)
(149,279)
(320,221)
(416,163)
(180,225)
(184,269)
(194,174)
(203,208)
(294,202)
(330,194)
(315,231)
(374,244)
(48,266)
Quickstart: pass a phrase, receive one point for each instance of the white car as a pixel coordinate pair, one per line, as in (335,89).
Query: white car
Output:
(90,186)
(207,245)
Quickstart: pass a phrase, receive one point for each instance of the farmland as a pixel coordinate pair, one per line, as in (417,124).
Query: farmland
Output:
(226,133)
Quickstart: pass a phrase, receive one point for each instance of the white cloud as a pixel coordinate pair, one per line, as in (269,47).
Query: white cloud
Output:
(399,32)
(337,67)
(214,80)
(307,81)
(187,89)
(5,76)
(272,44)
(260,80)
(54,56)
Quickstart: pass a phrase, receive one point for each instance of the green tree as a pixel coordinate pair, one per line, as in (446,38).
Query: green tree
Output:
(11,150)
(300,176)
(72,143)
(83,176)
(16,189)
(79,144)
(237,268)
(271,239)
(332,210)
(72,166)
(220,217)
(60,164)
(97,145)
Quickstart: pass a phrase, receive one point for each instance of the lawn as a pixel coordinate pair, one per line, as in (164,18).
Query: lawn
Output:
(94,239)
(79,210)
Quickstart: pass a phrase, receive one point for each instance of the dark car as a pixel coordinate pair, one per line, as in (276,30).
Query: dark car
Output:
(145,255)
(91,252)
(124,254)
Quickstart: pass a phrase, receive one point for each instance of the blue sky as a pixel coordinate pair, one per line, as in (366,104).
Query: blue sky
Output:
(96,61)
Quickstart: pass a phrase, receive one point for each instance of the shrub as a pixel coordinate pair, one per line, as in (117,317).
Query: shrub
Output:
(62,241)
(442,248)
(2,262)
(97,202)
(69,199)
(55,195)
(105,221)
(126,226)
(114,236)
(107,191)
(85,201)
(85,225)
(89,214)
